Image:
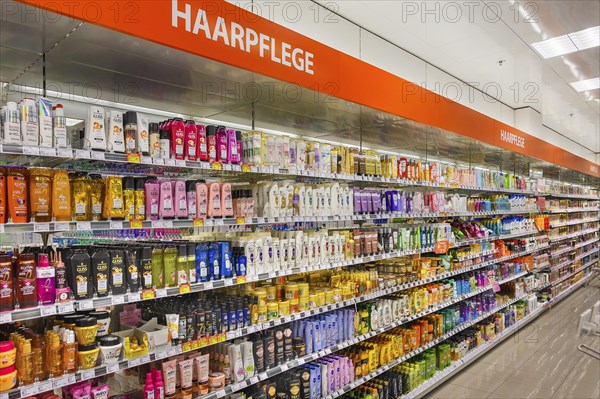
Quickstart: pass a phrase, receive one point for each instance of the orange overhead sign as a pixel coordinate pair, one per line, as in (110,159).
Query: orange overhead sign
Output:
(224,32)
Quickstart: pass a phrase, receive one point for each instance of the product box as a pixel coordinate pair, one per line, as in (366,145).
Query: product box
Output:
(135,343)
(157,334)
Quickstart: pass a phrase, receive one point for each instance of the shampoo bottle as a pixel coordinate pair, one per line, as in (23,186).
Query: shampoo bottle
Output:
(191,139)
(149,387)
(152,193)
(202,199)
(181,206)
(211,139)
(192,206)
(227,200)
(143,135)
(214,200)
(166,209)
(202,143)
(154,140)
(114,132)
(95,136)
(45,281)
(221,141)
(130,131)
(232,147)
(177,139)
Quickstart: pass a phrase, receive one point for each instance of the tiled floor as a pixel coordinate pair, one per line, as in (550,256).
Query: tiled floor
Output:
(542,361)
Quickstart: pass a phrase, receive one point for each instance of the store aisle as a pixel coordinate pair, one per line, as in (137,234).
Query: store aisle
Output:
(541,361)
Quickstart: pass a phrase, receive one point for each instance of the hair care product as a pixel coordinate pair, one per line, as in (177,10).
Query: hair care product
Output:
(17,195)
(95,136)
(130,124)
(114,132)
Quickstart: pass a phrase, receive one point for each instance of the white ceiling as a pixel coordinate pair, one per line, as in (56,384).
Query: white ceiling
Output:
(468,39)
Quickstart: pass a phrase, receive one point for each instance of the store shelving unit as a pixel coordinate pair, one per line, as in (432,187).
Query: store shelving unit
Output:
(339,123)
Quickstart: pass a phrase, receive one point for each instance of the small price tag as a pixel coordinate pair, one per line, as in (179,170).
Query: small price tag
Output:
(157,224)
(146,160)
(133,362)
(31,150)
(116,225)
(144,359)
(84,225)
(97,155)
(87,374)
(199,222)
(39,227)
(186,347)
(167,224)
(246,168)
(181,163)
(118,299)
(1,228)
(136,224)
(29,391)
(158,161)
(48,310)
(226,166)
(170,162)
(85,304)
(48,152)
(83,154)
(161,292)
(216,166)
(218,222)
(62,226)
(70,379)
(134,297)
(184,288)
(240,220)
(45,386)
(65,153)
(112,368)
(263,376)
(65,307)
(5,318)
(134,158)
(228,282)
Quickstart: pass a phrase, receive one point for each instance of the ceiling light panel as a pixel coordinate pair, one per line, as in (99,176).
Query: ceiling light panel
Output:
(556,46)
(588,84)
(586,38)
(569,43)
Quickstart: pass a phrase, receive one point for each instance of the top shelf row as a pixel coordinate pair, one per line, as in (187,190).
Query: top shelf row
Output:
(453,177)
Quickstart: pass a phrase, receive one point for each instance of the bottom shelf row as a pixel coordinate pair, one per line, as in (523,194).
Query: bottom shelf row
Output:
(365,354)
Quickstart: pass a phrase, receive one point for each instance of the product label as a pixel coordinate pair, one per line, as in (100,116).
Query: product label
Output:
(117,203)
(80,209)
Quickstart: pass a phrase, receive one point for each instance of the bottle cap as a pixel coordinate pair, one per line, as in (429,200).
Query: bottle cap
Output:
(58,110)
(182,250)
(99,314)
(211,130)
(153,127)
(109,340)
(139,183)
(190,185)
(128,183)
(165,134)
(238,135)
(86,322)
(87,347)
(6,346)
(43,260)
(130,117)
